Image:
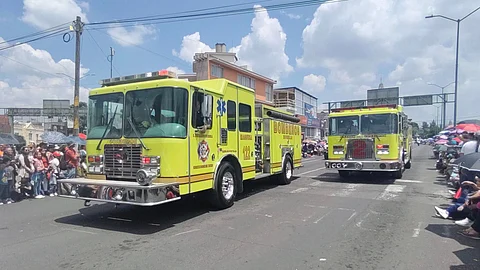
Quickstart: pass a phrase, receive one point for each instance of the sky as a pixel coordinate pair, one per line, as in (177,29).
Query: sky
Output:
(334,51)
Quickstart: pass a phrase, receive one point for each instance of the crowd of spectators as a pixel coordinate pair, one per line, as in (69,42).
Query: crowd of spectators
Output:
(32,171)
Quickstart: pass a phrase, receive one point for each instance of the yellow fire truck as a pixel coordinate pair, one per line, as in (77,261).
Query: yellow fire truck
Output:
(153,138)
(369,139)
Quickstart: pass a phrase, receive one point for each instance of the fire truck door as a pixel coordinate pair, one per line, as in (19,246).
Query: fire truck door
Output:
(203,143)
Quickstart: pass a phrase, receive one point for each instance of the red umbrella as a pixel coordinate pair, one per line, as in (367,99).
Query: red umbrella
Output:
(469,127)
(82,136)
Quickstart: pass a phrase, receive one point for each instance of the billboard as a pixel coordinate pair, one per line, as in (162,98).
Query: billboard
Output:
(418,100)
(311,115)
(56,107)
(353,103)
(383,96)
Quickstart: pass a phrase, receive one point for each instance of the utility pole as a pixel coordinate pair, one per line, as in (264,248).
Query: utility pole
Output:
(110,59)
(78,27)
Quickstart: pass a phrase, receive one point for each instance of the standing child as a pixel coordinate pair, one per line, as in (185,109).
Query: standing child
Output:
(54,172)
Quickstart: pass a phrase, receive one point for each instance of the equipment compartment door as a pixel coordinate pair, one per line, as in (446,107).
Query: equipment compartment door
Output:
(246,132)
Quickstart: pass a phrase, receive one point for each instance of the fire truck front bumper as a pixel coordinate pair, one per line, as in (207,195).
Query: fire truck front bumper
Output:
(118,192)
(364,165)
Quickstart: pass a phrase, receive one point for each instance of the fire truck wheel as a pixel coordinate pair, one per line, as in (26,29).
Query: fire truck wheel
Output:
(344,174)
(398,174)
(408,165)
(285,177)
(225,190)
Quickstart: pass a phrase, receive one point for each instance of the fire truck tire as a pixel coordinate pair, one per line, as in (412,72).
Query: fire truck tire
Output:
(408,165)
(398,174)
(344,174)
(286,176)
(225,191)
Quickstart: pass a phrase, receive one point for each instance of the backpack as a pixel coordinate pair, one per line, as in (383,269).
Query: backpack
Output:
(63,163)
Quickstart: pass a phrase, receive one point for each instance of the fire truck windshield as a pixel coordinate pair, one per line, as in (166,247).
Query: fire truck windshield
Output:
(156,113)
(105,116)
(379,123)
(344,125)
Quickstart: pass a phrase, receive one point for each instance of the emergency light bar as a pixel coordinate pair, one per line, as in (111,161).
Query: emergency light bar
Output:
(391,106)
(156,75)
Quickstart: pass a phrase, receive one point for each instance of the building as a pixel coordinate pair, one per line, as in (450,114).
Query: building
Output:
(30,131)
(301,103)
(221,64)
(323,120)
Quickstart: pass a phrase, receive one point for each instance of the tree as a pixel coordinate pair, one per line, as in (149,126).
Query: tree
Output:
(415,129)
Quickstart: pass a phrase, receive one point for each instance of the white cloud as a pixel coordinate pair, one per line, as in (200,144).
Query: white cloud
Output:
(48,13)
(314,84)
(130,37)
(191,44)
(357,42)
(291,15)
(28,75)
(264,48)
(176,70)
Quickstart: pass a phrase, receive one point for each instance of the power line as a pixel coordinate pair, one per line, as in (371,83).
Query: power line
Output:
(103,52)
(184,12)
(143,48)
(54,34)
(39,70)
(206,15)
(46,31)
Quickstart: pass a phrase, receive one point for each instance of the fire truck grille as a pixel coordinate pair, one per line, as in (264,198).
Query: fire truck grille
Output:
(122,161)
(360,149)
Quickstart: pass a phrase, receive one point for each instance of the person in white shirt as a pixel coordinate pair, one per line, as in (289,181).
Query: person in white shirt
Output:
(470,146)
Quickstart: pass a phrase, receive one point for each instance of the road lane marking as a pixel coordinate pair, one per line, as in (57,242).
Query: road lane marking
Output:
(346,191)
(315,184)
(318,169)
(353,215)
(359,223)
(407,181)
(390,192)
(298,190)
(80,231)
(416,231)
(310,161)
(322,217)
(315,206)
(182,233)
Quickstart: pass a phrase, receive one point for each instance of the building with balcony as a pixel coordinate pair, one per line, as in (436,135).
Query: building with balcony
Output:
(301,103)
(221,64)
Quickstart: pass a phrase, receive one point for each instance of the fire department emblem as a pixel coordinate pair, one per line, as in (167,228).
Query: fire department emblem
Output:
(203,150)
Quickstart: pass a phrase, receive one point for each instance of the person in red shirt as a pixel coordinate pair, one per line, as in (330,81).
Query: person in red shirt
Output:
(71,158)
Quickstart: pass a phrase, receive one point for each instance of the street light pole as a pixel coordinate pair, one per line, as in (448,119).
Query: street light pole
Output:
(444,102)
(456,76)
(458,21)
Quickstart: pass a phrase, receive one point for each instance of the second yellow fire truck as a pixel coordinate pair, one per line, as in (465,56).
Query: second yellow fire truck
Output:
(153,138)
(369,139)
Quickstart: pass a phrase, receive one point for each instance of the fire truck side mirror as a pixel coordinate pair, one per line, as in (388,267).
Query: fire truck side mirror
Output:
(207,110)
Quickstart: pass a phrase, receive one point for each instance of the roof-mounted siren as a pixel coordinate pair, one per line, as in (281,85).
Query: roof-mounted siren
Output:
(148,76)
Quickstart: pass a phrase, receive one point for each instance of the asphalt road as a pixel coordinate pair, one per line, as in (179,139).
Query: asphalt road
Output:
(316,222)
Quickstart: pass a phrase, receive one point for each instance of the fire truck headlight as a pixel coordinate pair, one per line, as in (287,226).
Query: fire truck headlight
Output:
(144,177)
